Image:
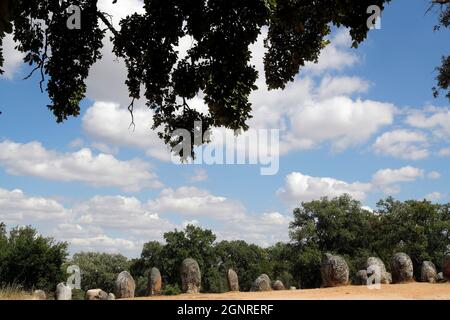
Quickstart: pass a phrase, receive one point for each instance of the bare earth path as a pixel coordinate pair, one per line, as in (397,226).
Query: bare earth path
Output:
(411,291)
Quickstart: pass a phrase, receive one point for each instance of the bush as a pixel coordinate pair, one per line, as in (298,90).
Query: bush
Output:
(99,270)
(171,290)
(30,260)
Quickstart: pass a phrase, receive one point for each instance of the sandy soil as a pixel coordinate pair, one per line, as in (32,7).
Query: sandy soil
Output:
(411,291)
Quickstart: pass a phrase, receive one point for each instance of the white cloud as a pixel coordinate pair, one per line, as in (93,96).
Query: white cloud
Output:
(109,123)
(200,175)
(336,86)
(302,188)
(194,202)
(341,121)
(335,56)
(263,229)
(434,175)
(18,208)
(13,58)
(403,144)
(121,213)
(432,118)
(388,179)
(434,196)
(100,170)
(444,152)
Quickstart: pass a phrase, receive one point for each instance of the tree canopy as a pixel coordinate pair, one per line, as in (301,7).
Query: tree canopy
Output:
(217,67)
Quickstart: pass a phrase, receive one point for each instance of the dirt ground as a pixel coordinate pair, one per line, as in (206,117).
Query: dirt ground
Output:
(410,291)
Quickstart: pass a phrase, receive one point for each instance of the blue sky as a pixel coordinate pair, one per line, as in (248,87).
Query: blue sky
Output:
(361,121)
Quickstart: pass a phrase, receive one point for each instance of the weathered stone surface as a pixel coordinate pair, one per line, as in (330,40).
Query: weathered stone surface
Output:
(111,296)
(96,294)
(334,271)
(233,280)
(125,286)
(262,283)
(293,288)
(278,285)
(440,277)
(402,268)
(446,263)
(191,277)
(39,295)
(361,278)
(428,272)
(373,264)
(388,278)
(63,292)
(154,282)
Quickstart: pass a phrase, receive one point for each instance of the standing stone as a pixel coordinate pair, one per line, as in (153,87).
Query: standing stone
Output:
(446,263)
(361,278)
(262,283)
(374,263)
(191,277)
(402,268)
(39,295)
(388,278)
(233,280)
(334,271)
(111,296)
(154,282)
(63,292)
(428,272)
(125,286)
(96,294)
(440,277)
(278,285)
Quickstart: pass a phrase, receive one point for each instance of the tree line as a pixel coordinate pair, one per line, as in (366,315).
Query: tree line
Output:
(340,226)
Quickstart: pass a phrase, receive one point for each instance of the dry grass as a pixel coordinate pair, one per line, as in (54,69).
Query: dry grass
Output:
(15,293)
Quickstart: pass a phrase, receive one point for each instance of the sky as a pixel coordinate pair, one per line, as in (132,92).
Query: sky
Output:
(360,121)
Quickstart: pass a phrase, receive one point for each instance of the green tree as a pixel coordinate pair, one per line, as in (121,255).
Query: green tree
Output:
(248,260)
(31,260)
(339,226)
(99,270)
(217,66)
(282,263)
(418,228)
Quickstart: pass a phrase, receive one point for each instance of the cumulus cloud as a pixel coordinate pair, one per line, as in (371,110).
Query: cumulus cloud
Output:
(402,144)
(18,208)
(435,119)
(336,56)
(194,202)
(299,187)
(337,86)
(263,229)
(434,175)
(434,196)
(444,152)
(388,179)
(109,123)
(302,188)
(200,175)
(101,170)
(13,58)
(341,121)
